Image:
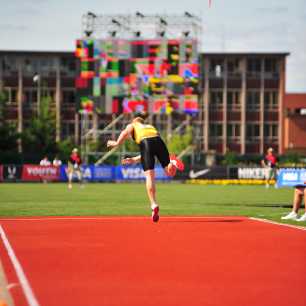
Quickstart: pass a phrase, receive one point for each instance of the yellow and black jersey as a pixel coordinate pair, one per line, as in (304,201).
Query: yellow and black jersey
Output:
(142,131)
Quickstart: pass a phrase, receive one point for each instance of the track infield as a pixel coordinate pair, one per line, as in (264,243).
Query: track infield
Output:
(224,261)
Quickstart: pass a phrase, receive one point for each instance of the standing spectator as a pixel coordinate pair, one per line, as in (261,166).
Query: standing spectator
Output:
(57,162)
(74,166)
(269,162)
(45,162)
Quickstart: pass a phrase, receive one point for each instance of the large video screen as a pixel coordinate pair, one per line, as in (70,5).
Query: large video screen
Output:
(157,76)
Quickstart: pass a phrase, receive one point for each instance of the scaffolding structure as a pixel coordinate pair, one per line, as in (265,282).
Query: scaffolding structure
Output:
(145,27)
(127,26)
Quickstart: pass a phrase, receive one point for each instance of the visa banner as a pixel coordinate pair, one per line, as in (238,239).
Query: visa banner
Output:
(291,177)
(136,173)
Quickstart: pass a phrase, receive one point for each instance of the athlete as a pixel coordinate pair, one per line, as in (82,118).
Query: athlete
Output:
(74,166)
(269,162)
(151,145)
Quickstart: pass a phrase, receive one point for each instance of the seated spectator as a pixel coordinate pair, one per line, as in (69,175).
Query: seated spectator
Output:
(45,162)
(56,162)
(299,193)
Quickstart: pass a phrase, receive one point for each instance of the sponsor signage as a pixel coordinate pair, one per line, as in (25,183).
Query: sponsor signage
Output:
(1,173)
(291,177)
(251,173)
(12,173)
(208,173)
(40,173)
(136,173)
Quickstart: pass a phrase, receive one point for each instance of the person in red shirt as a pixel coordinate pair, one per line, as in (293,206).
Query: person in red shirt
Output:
(74,167)
(269,162)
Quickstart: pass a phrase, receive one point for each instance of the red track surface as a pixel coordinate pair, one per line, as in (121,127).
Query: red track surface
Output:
(179,261)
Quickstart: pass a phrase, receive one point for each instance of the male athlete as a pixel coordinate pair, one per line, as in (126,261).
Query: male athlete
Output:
(151,145)
(269,162)
(74,166)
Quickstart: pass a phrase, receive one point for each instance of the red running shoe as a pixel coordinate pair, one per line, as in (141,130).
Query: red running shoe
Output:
(177,162)
(155,215)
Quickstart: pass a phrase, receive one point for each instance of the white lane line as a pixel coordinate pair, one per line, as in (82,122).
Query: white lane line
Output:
(280,224)
(31,299)
(76,218)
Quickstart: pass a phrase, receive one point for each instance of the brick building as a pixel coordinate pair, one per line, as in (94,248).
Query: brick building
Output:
(295,122)
(242,102)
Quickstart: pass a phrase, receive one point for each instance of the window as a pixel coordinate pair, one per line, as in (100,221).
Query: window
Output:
(11,94)
(271,65)
(30,96)
(67,129)
(271,130)
(253,101)
(233,130)
(68,65)
(9,65)
(253,65)
(68,96)
(216,100)
(215,130)
(216,67)
(271,100)
(233,100)
(252,131)
(233,67)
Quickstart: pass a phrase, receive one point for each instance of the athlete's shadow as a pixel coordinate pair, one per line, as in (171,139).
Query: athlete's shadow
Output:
(204,221)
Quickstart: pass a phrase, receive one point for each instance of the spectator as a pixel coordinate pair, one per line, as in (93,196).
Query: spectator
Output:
(57,162)
(45,162)
(269,162)
(299,193)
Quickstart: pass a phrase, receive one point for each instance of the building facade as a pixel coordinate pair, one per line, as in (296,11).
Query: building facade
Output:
(295,122)
(242,97)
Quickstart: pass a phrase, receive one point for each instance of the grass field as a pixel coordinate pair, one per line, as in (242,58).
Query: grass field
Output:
(130,199)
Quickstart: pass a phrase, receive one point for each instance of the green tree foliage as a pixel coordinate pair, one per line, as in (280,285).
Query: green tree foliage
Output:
(230,158)
(39,137)
(177,143)
(8,132)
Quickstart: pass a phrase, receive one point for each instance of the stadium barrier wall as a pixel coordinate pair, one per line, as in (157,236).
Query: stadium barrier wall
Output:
(106,173)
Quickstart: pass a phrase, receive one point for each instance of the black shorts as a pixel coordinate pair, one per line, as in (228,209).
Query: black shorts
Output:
(149,149)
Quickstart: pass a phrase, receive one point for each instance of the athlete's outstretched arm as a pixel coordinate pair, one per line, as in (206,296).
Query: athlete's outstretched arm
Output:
(122,137)
(131,160)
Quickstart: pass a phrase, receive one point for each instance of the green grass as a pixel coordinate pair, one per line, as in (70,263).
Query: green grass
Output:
(130,199)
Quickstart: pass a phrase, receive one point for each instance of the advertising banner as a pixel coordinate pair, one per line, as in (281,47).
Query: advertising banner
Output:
(12,173)
(291,177)
(40,173)
(136,173)
(103,173)
(252,173)
(208,173)
(87,173)
(1,173)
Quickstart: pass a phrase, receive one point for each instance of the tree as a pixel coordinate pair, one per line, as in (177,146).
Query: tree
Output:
(39,137)
(8,132)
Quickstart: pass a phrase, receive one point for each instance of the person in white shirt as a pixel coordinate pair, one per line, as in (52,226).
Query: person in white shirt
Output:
(56,162)
(45,162)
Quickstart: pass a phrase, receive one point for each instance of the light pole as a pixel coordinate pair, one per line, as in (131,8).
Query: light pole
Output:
(37,80)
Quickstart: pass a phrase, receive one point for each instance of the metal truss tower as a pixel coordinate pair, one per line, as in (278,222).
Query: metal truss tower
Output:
(139,25)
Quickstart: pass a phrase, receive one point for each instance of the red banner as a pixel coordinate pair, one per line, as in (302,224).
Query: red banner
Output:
(1,173)
(40,173)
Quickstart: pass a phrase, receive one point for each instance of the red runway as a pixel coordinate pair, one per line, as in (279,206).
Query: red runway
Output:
(121,261)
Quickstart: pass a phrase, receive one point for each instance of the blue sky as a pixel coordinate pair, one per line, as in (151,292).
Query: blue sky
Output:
(229,26)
